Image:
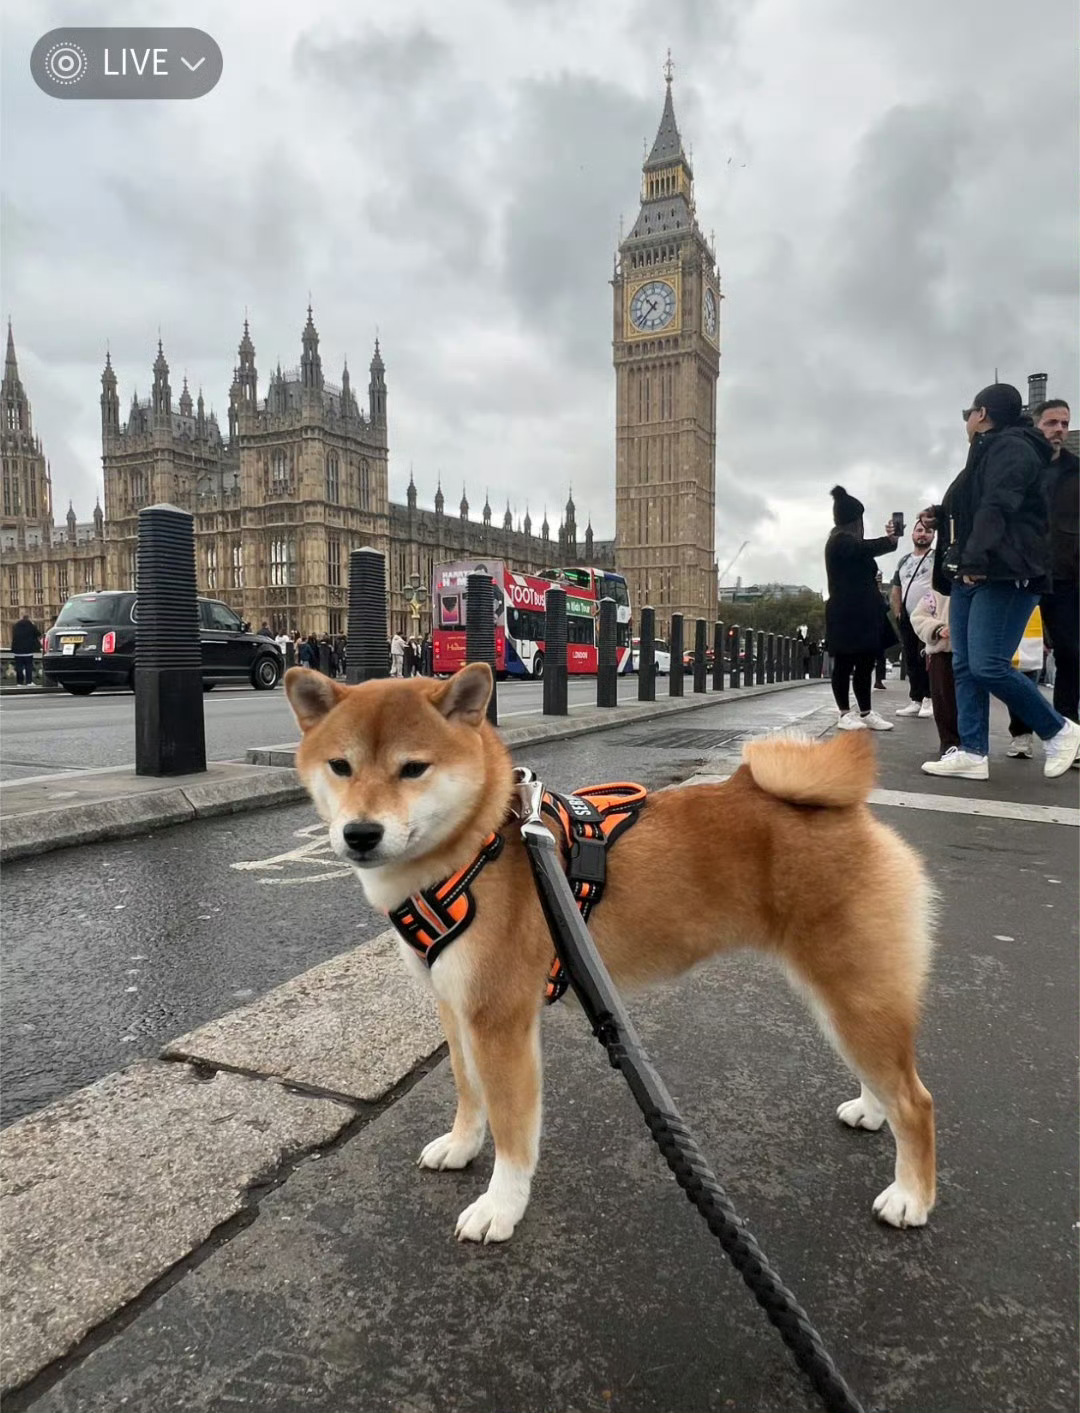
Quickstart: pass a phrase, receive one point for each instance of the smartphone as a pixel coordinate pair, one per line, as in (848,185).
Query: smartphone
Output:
(898,524)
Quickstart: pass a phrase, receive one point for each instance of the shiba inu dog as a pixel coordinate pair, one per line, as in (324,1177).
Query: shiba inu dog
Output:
(412,779)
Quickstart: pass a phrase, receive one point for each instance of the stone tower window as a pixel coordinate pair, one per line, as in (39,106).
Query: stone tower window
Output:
(365,485)
(333,478)
(211,566)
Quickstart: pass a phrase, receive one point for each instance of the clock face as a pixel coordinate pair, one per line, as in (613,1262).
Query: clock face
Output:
(708,312)
(653,306)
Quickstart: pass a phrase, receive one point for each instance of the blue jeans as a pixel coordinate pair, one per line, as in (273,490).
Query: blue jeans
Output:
(986,623)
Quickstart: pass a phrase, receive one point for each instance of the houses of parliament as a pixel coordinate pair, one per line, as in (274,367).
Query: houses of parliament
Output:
(299,475)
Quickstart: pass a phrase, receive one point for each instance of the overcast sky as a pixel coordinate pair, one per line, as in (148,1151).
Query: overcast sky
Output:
(893,190)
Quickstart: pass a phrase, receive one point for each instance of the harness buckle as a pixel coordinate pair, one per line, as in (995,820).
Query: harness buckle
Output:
(587,863)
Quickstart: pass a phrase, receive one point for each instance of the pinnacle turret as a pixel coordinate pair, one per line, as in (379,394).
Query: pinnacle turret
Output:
(377,388)
(311,374)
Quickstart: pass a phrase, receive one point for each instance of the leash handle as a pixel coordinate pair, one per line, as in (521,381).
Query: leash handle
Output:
(612,1027)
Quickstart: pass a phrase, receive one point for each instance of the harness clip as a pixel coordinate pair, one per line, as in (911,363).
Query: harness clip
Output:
(587,862)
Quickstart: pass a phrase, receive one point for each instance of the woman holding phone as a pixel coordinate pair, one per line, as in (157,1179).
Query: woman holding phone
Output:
(857,626)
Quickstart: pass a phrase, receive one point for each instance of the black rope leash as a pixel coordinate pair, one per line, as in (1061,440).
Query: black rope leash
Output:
(612,1027)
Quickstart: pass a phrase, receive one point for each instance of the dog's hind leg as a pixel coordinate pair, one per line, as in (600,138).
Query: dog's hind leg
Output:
(460,1146)
(871,1021)
(507,1054)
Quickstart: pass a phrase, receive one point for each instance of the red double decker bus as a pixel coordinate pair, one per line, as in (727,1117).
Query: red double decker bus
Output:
(520,602)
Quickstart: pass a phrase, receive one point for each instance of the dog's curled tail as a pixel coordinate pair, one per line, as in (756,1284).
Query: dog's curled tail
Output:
(835,773)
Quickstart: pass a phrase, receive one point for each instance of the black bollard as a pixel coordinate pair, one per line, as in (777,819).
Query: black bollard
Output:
(170,737)
(480,632)
(701,667)
(366,650)
(554,680)
(748,661)
(290,654)
(761,659)
(675,676)
(646,658)
(786,660)
(770,658)
(735,639)
(324,659)
(719,652)
(607,679)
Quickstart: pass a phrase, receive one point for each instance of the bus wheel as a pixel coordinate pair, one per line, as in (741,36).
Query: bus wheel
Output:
(538,666)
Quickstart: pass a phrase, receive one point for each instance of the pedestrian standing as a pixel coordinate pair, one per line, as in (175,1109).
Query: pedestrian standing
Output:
(308,652)
(913,579)
(397,655)
(993,559)
(427,665)
(1061,603)
(856,625)
(408,658)
(25,645)
(930,621)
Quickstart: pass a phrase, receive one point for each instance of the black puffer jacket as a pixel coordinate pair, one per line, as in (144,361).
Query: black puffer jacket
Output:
(856,619)
(1063,486)
(997,510)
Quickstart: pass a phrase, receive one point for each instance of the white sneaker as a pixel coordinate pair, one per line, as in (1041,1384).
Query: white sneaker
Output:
(851,721)
(1062,750)
(1021,746)
(927,709)
(876,722)
(912,709)
(961,764)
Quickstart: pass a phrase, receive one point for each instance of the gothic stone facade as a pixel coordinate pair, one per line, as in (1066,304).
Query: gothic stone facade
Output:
(667,361)
(299,479)
(42,563)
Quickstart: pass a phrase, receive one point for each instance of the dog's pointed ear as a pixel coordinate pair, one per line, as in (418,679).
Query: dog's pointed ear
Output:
(311,695)
(465,696)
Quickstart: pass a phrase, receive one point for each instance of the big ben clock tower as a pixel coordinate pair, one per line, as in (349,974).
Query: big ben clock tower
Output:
(667,360)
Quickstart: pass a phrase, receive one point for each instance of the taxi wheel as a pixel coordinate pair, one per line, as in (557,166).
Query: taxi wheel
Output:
(265,674)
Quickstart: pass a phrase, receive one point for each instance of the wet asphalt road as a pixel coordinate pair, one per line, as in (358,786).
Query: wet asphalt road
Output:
(111,950)
(40,735)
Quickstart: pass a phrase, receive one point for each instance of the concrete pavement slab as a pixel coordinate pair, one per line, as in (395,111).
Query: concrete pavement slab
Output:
(81,807)
(354,1026)
(103,1192)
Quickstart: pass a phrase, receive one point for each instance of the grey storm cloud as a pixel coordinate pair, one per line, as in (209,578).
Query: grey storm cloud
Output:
(894,196)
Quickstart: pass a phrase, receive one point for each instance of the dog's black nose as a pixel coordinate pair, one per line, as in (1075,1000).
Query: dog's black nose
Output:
(362,835)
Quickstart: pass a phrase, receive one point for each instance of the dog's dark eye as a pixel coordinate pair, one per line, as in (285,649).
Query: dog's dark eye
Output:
(340,766)
(413,769)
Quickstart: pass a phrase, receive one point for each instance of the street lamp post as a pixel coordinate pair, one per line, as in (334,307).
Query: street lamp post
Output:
(415,595)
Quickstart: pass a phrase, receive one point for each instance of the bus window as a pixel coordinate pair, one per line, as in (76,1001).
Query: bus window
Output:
(579,629)
(615,588)
(622,635)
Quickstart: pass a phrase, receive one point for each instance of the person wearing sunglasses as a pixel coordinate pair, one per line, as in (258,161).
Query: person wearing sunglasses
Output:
(993,562)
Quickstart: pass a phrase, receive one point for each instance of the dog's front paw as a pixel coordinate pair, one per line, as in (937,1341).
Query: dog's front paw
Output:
(864,1112)
(489,1219)
(900,1208)
(450,1152)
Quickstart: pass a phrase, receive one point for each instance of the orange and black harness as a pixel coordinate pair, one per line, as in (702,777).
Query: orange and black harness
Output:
(588,822)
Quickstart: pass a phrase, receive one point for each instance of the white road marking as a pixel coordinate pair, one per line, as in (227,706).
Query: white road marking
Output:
(989,809)
(316,850)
